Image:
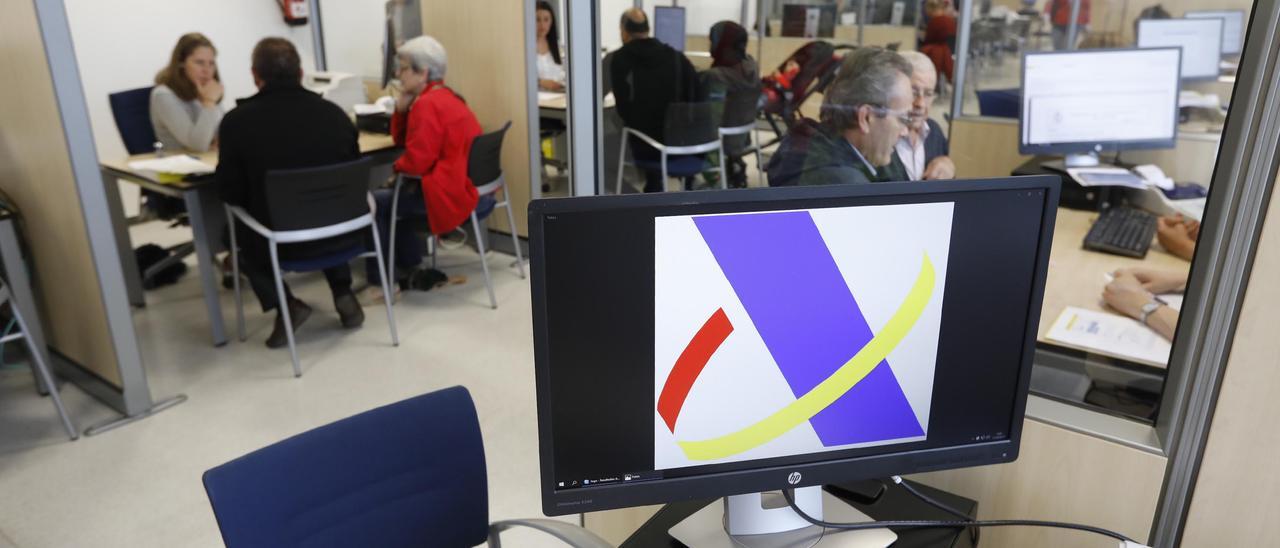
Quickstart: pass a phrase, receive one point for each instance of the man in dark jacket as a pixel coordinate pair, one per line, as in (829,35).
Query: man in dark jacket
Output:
(864,113)
(924,152)
(646,76)
(284,126)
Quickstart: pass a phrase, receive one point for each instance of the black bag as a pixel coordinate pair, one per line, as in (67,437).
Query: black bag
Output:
(149,255)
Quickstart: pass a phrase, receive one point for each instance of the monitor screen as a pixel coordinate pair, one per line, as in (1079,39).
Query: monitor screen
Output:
(1200,40)
(1088,100)
(668,26)
(1232,28)
(806,21)
(694,345)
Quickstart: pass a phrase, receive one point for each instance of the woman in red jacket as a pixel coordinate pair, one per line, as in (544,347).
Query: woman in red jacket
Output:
(436,128)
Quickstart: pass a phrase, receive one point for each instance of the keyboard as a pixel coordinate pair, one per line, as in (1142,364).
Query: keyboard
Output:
(1122,231)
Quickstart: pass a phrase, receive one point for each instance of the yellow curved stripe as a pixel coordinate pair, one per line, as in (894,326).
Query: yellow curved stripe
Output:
(829,390)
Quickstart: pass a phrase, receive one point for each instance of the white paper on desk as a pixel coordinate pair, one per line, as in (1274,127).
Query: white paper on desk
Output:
(1188,98)
(549,95)
(1106,176)
(176,163)
(364,110)
(1110,334)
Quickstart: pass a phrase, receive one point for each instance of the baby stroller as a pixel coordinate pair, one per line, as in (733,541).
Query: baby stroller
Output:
(808,70)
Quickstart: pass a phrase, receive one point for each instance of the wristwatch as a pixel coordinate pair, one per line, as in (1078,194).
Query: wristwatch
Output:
(1148,309)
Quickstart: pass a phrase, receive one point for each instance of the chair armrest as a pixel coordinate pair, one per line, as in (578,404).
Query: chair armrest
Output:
(571,534)
(249,221)
(652,142)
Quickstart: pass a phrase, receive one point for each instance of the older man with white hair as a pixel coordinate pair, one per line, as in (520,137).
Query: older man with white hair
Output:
(923,153)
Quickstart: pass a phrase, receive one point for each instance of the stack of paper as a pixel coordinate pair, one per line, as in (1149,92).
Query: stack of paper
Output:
(180,164)
(1106,176)
(1110,334)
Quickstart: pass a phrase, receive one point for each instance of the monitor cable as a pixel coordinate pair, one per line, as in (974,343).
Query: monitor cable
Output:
(791,501)
(974,533)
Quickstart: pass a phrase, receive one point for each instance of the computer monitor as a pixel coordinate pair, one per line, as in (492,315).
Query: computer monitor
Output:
(1079,103)
(1200,40)
(808,21)
(704,344)
(403,22)
(1232,27)
(668,26)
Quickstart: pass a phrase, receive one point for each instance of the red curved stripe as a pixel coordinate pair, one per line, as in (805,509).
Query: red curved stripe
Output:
(689,365)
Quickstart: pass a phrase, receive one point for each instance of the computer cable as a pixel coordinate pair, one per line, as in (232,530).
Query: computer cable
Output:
(791,501)
(974,533)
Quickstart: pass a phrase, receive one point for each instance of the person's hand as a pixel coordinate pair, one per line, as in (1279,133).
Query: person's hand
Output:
(210,92)
(940,168)
(1156,280)
(1126,294)
(404,100)
(1178,235)
(550,85)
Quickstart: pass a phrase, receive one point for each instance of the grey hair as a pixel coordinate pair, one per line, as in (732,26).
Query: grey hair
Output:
(867,77)
(920,63)
(425,53)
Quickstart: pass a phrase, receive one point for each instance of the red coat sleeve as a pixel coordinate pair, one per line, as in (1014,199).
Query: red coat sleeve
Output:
(422,145)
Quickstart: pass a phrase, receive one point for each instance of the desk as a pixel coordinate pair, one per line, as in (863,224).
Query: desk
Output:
(208,220)
(1076,275)
(896,503)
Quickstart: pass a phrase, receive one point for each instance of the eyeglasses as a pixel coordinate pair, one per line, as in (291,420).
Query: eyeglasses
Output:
(903,116)
(919,93)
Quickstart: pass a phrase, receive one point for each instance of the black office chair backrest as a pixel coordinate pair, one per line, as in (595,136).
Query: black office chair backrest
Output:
(690,124)
(740,108)
(299,199)
(484,165)
(132,112)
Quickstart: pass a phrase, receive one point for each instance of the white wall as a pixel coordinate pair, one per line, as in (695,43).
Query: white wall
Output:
(121,44)
(353,35)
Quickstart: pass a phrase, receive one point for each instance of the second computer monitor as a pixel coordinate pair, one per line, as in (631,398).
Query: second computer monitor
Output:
(1232,28)
(669,26)
(1200,40)
(1087,101)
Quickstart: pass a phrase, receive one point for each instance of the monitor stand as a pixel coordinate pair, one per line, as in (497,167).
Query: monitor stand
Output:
(764,520)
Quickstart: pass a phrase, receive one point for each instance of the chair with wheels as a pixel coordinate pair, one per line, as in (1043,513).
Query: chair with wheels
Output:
(404,475)
(131,110)
(39,367)
(484,168)
(310,205)
(691,130)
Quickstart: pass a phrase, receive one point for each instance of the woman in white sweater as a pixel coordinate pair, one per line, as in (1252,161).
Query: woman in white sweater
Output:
(184,104)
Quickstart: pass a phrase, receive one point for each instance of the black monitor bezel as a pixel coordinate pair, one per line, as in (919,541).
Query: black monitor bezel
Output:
(1244,27)
(1028,149)
(622,495)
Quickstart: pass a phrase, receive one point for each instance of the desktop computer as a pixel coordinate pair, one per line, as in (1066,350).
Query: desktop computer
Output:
(1200,40)
(1080,103)
(668,26)
(1232,28)
(341,88)
(808,21)
(728,343)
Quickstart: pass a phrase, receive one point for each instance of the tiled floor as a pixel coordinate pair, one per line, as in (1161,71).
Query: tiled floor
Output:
(140,485)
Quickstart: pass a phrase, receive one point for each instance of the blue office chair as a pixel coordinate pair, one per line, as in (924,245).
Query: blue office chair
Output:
(691,130)
(1000,103)
(408,474)
(132,112)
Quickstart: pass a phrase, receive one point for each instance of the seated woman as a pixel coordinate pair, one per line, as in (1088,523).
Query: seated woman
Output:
(184,103)
(940,36)
(550,65)
(436,128)
(732,71)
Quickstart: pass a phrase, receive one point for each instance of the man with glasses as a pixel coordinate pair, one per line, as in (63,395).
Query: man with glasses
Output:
(865,111)
(923,153)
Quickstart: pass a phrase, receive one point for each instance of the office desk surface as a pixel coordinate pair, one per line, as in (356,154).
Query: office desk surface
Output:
(557,100)
(370,143)
(1076,276)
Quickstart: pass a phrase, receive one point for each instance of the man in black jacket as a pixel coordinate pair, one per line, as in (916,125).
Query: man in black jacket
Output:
(284,126)
(924,152)
(646,76)
(864,113)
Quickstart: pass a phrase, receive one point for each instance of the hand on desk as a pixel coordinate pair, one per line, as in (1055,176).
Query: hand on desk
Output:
(550,85)
(940,168)
(1157,281)
(1133,289)
(1178,235)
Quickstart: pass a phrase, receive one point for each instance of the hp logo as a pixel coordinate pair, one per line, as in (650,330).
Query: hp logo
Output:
(794,478)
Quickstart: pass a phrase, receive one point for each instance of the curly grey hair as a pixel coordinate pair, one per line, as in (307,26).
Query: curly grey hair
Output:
(866,77)
(425,53)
